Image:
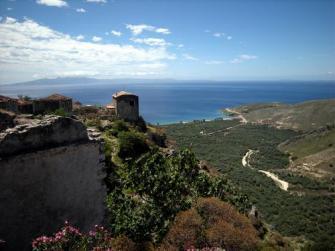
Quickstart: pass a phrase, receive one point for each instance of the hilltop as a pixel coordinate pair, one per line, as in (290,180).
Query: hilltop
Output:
(302,116)
(312,154)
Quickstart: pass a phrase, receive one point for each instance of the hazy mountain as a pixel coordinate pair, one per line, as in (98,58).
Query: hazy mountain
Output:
(84,80)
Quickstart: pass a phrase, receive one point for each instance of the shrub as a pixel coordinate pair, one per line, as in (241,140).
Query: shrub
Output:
(117,127)
(158,137)
(70,238)
(120,126)
(131,145)
(141,125)
(225,226)
(60,112)
(123,243)
(211,223)
(153,188)
(185,231)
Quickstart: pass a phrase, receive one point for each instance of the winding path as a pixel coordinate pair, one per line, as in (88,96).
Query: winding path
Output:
(280,183)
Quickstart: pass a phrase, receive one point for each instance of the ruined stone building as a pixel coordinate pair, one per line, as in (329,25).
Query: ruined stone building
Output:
(25,106)
(36,106)
(52,103)
(52,170)
(9,104)
(6,119)
(126,106)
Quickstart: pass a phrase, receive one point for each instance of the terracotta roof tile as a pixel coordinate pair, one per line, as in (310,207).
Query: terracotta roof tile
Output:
(122,93)
(56,96)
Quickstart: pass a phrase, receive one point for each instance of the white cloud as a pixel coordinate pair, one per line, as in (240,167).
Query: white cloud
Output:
(163,31)
(96,39)
(242,58)
(218,34)
(9,9)
(139,28)
(189,57)
(150,41)
(81,10)
(28,48)
(222,35)
(80,37)
(180,46)
(96,1)
(116,33)
(214,62)
(9,20)
(207,31)
(54,3)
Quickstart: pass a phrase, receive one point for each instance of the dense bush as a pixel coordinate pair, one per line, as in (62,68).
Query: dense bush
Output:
(155,187)
(185,232)
(211,223)
(131,145)
(117,127)
(140,124)
(158,137)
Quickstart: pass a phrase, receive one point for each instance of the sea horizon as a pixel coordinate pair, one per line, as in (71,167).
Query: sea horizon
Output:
(182,101)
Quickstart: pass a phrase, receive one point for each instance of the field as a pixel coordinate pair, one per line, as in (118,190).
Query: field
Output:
(223,144)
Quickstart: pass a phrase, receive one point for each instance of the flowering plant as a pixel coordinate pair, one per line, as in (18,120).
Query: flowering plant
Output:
(70,238)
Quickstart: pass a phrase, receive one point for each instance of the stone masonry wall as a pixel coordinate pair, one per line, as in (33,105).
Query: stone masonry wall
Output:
(41,189)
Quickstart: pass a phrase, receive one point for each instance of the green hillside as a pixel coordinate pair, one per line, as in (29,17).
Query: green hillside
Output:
(305,210)
(303,116)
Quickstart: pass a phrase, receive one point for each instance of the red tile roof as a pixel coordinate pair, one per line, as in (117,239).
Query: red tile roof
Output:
(56,97)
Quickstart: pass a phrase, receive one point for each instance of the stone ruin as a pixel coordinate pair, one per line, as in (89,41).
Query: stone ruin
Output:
(52,170)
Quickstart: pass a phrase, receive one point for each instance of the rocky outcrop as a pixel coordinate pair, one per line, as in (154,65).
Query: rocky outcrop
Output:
(52,170)
(36,134)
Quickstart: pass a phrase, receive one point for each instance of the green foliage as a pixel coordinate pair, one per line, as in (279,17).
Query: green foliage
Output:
(131,145)
(95,122)
(311,215)
(117,127)
(141,125)
(61,112)
(154,188)
(158,138)
(311,143)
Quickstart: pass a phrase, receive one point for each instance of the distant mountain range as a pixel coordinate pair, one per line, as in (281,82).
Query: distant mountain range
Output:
(83,81)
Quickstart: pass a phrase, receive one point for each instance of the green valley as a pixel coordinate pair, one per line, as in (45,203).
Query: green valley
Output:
(306,210)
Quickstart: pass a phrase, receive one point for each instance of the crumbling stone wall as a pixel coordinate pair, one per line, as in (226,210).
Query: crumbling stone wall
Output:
(127,107)
(6,119)
(40,189)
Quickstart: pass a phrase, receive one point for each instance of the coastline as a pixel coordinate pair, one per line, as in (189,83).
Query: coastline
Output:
(235,114)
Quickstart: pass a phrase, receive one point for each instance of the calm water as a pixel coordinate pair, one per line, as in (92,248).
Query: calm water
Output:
(173,102)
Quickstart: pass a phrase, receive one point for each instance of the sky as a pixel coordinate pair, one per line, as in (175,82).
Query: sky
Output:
(189,39)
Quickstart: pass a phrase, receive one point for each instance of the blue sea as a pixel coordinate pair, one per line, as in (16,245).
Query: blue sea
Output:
(165,103)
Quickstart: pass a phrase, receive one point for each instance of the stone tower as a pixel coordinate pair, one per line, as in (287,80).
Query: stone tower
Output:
(126,105)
